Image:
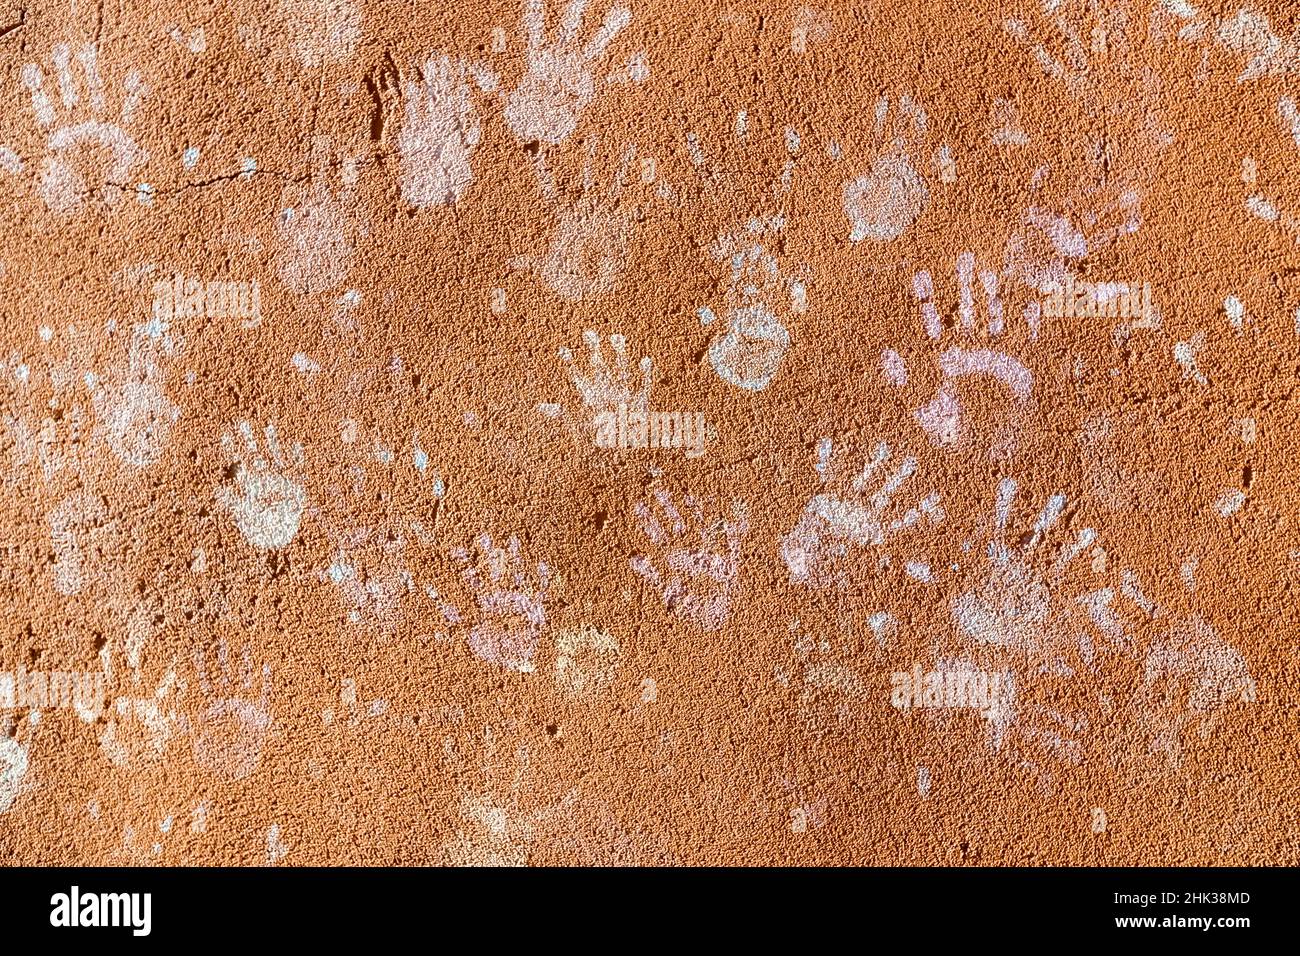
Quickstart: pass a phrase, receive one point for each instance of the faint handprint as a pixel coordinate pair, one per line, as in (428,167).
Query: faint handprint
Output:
(695,564)
(235,717)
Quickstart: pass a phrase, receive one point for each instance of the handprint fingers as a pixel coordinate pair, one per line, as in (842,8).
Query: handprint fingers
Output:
(615,21)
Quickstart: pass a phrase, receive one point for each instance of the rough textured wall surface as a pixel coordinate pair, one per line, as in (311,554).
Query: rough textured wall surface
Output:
(649,432)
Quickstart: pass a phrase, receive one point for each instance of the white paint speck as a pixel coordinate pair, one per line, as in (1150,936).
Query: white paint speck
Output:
(1230,502)
(1185,354)
(893,367)
(883,625)
(823,457)
(1236,311)
(919,570)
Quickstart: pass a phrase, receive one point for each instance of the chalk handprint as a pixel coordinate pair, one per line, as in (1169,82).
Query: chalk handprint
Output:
(235,717)
(559,84)
(511,603)
(1190,679)
(837,522)
(266,504)
(589,250)
(85,156)
(606,388)
(881,203)
(439,135)
(969,354)
(135,412)
(696,561)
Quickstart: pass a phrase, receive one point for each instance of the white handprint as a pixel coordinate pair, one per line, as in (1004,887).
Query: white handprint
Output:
(371,576)
(942,417)
(511,603)
(138,728)
(235,718)
(1190,678)
(606,388)
(1014,624)
(1088,49)
(439,135)
(748,352)
(586,660)
(883,202)
(1014,606)
(321,31)
(86,157)
(1190,675)
(589,250)
(559,84)
(834,523)
(267,506)
(314,230)
(697,560)
(1247,33)
(494,828)
(314,33)
(135,413)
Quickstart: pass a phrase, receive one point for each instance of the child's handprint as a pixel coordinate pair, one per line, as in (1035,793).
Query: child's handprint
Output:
(696,562)
(138,728)
(607,388)
(315,231)
(559,84)
(511,603)
(942,417)
(135,412)
(85,157)
(267,505)
(883,202)
(1190,678)
(439,135)
(761,293)
(834,523)
(235,717)
(589,249)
